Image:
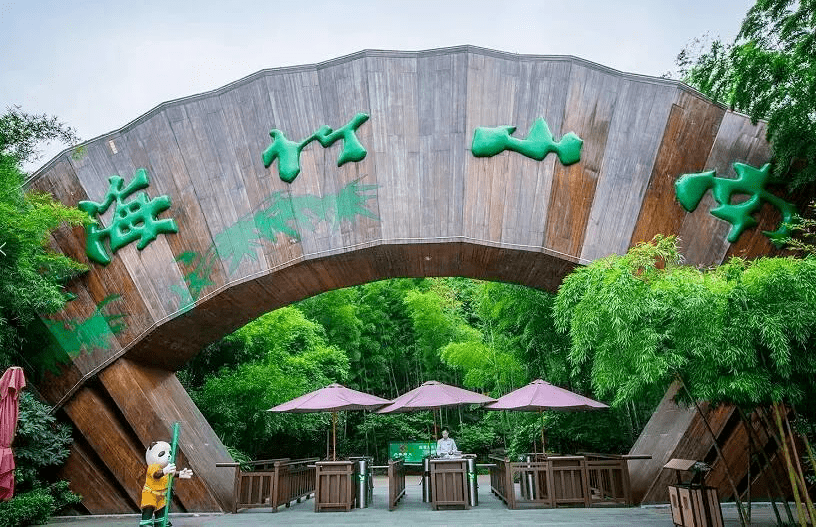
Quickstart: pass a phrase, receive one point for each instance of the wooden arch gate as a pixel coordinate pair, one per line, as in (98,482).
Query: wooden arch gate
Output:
(295,181)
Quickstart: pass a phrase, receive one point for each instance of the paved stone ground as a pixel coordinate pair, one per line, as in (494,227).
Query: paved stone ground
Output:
(412,511)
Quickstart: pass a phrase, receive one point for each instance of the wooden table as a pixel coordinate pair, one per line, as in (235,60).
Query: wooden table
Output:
(449,483)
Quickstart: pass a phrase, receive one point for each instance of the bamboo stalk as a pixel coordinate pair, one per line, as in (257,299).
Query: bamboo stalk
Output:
(809,451)
(748,498)
(769,429)
(791,472)
(767,469)
(798,466)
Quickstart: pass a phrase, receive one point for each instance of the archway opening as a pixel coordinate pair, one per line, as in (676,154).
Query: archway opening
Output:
(387,337)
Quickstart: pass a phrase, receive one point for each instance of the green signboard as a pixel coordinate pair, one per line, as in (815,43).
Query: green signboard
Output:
(412,451)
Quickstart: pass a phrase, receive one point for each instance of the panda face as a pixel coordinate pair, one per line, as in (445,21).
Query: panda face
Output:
(158,454)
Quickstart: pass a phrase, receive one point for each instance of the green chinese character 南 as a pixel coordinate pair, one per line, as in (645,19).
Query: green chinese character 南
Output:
(287,152)
(131,221)
(751,181)
(488,142)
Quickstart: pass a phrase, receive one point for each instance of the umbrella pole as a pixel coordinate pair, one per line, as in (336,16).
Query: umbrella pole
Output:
(334,436)
(543,449)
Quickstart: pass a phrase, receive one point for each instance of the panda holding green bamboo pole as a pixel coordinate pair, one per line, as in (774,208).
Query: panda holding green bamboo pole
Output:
(158,488)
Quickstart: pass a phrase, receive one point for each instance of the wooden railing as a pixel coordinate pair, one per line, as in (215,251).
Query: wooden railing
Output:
(609,479)
(550,481)
(501,480)
(272,482)
(396,482)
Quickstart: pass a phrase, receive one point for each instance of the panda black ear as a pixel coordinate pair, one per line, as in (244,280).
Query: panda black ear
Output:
(154,443)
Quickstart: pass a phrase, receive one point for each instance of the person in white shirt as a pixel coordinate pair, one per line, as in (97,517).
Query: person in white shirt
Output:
(446,446)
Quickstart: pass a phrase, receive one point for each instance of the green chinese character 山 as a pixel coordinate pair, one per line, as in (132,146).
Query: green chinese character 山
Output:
(488,142)
(131,220)
(751,181)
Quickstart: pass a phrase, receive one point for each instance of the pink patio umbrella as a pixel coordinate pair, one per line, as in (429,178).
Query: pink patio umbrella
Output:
(11,383)
(333,398)
(433,395)
(540,395)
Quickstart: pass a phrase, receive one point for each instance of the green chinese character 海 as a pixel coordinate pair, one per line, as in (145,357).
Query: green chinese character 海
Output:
(751,181)
(131,221)
(488,142)
(287,152)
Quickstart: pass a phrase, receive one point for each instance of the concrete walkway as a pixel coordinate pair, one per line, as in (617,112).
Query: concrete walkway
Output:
(412,511)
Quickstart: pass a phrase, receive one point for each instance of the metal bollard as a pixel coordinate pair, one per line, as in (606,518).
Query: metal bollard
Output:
(363,482)
(529,480)
(426,479)
(472,483)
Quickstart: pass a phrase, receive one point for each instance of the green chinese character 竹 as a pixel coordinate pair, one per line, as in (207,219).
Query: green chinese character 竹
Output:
(288,152)
(131,221)
(488,142)
(690,189)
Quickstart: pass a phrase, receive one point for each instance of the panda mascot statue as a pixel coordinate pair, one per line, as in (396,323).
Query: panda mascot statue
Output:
(159,470)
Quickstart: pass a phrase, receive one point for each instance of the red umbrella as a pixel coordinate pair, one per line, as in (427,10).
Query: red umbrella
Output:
(333,398)
(11,383)
(432,395)
(540,395)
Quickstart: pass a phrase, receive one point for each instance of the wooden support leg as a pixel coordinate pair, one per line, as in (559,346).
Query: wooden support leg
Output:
(151,400)
(133,406)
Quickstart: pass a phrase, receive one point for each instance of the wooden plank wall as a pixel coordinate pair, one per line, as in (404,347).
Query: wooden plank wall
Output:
(427,206)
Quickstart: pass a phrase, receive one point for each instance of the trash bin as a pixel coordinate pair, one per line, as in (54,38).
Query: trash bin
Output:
(472,483)
(364,483)
(693,504)
(426,479)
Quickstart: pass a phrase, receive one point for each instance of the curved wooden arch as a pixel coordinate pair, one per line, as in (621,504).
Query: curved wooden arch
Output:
(418,204)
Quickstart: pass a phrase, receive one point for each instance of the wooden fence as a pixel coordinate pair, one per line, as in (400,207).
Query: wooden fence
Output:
(561,480)
(396,482)
(609,479)
(272,482)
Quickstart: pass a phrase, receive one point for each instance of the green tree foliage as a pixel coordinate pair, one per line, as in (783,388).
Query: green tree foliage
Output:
(40,448)
(21,133)
(803,233)
(40,445)
(738,333)
(768,72)
(30,273)
(286,356)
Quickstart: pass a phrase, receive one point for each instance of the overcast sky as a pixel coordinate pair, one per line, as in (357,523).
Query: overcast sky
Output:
(99,64)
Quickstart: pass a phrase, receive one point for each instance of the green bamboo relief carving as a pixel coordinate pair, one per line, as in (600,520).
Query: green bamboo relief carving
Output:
(281,214)
(75,336)
(488,142)
(131,220)
(287,152)
(751,181)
